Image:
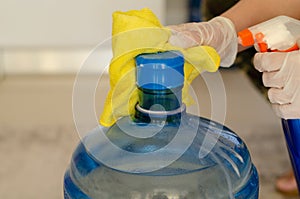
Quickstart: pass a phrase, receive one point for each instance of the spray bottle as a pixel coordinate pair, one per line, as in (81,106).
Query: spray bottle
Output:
(279,34)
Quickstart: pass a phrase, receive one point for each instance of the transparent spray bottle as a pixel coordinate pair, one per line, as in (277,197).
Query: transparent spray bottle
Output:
(279,34)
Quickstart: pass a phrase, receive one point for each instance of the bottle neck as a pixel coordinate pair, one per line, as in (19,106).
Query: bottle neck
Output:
(159,105)
(155,100)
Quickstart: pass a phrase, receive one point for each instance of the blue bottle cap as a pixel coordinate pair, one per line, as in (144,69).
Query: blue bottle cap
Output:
(158,71)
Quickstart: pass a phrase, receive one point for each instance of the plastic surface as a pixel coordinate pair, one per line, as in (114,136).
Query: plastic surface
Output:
(160,71)
(246,38)
(292,135)
(226,172)
(277,34)
(161,152)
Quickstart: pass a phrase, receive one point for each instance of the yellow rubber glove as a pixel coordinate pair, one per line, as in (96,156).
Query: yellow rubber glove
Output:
(136,32)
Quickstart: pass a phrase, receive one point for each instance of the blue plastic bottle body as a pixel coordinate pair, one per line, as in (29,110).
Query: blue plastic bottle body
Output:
(188,177)
(291,129)
(192,169)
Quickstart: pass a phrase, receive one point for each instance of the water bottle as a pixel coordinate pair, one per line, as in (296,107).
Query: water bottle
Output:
(291,130)
(161,151)
(279,34)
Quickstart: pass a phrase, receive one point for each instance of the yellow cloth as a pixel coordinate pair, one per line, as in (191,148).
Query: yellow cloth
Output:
(139,31)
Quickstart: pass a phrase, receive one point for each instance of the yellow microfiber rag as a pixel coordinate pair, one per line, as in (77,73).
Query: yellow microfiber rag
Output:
(136,32)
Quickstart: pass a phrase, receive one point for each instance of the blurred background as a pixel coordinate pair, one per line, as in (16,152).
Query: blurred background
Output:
(43,45)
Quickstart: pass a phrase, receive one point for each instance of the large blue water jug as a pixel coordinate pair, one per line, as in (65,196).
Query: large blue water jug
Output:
(161,151)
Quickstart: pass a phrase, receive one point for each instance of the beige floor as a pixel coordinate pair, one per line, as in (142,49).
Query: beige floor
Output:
(37,132)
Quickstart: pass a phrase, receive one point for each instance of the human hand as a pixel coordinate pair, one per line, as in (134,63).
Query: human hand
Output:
(281,72)
(218,33)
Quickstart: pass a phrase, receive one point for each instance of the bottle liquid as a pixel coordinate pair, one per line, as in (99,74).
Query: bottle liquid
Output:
(161,151)
(279,34)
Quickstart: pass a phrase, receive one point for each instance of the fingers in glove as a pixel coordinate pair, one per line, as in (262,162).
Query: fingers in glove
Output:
(186,35)
(277,68)
(218,33)
(281,72)
(274,79)
(267,62)
(286,111)
(183,39)
(282,96)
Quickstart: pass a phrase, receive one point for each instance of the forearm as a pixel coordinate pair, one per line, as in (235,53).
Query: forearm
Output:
(247,13)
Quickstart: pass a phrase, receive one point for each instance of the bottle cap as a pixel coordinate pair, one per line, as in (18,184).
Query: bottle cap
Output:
(162,70)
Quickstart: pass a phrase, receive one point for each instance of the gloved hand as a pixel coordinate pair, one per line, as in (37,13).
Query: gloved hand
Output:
(218,33)
(281,72)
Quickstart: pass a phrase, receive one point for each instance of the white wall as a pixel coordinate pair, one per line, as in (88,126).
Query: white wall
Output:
(55,36)
(57,23)
(177,11)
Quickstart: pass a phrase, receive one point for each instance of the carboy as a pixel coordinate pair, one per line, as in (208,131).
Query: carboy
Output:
(161,151)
